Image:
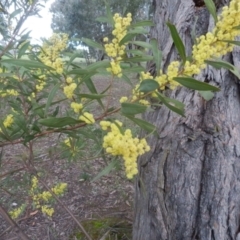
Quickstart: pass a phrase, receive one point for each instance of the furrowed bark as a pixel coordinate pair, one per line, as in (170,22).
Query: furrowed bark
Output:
(189,184)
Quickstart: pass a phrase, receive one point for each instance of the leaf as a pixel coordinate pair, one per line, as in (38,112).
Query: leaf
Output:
(143,58)
(135,69)
(106,170)
(135,52)
(139,30)
(237,27)
(212,9)
(15,13)
(177,41)
(23,49)
(157,54)
(89,83)
(103,19)
(194,84)
(78,71)
(127,38)
(127,79)
(51,95)
(97,65)
(145,23)
(148,127)
(232,42)
(58,122)
(25,63)
(207,95)
(91,96)
(109,14)
(142,44)
(132,108)
(172,104)
(223,64)
(148,85)
(93,44)
(220,64)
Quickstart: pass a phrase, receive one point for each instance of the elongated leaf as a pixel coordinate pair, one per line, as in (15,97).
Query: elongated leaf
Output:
(15,13)
(51,95)
(232,42)
(23,49)
(132,108)
(127,79)
(78,71)
(177,41)
(127,38)
(223,64)
(58,122)
(106,170)
(25,63)
(237,27)
(143,58)
(89,83)
(135,69)
(145,23)
(93,44)
(91,96)
(109,13)
(172,104)
(97,65)
(136,52)
(220,64)
(212,9)
(207,95)
(148,85)
(194,84)
(142,44)
(103,19)
(157,54)
(139,30)
(148,127)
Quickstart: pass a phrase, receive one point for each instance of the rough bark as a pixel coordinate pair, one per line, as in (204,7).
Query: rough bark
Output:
(189,184)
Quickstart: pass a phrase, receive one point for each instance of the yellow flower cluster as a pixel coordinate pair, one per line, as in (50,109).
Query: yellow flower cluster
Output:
(77,107)
(136,95)
(17,212)
(123,144)
(8,92)
(8,121)
(45,196)
(208,46)
(69,89)
(87,118)
(67,142)
(47,210)
(51,49)
(113,49)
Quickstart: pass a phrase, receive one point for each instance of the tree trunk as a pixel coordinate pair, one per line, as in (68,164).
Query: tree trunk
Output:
(189,184)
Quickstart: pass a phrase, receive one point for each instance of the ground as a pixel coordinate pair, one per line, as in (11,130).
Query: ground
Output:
(104,207)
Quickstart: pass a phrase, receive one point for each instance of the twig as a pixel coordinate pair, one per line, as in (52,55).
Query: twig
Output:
(11,172)
(19,231)
(66,208)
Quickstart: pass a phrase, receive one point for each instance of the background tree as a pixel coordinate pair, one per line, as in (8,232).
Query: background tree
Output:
(77,18)
(188,186)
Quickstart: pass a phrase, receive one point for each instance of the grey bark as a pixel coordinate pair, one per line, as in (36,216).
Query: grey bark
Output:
(189,184)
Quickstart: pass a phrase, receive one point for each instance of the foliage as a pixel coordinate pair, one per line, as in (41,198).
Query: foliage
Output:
(78,18)
(46,94)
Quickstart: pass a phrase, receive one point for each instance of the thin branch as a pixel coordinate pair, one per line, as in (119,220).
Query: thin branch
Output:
(13,224)
(64,206)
